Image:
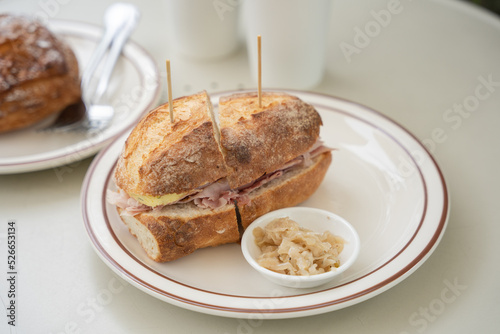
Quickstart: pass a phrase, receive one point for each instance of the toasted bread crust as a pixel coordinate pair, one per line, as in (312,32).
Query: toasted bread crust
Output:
(172,233)
(289,190)
(39,73)
(260,140)
(178,230)
(159,158)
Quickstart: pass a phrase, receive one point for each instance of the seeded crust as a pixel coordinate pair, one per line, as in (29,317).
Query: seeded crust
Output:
(178,230)
(160,158)
(39,73)
(289,190)
(257,140)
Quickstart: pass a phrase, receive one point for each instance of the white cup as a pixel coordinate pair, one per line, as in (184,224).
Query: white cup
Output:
(293,36)
(203,29)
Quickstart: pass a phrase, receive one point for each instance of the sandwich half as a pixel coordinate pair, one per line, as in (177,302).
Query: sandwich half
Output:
(202,180)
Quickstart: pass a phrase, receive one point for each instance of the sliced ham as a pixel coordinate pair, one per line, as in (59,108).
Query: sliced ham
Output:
(214,195)
(122,200)
(219,193)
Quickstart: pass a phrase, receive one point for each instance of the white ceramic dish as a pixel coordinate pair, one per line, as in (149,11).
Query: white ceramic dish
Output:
(382,180)
(316,220)
(134,89)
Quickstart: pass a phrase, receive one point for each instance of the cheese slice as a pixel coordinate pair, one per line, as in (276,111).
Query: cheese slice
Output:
(154,201)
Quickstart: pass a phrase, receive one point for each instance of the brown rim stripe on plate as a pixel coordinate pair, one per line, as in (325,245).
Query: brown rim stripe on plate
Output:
(352,297)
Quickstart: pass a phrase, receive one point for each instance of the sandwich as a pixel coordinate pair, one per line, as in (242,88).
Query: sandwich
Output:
(201,180)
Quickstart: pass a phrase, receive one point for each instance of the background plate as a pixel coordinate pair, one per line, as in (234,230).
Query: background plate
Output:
(134,88)
(382,180)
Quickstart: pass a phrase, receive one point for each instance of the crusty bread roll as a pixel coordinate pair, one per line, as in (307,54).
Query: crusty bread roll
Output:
(160,158)
(178,230)
(38,73)
(202,180)
(259,140)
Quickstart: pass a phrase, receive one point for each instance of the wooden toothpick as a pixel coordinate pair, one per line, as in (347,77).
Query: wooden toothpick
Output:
(259,70)
(169,83)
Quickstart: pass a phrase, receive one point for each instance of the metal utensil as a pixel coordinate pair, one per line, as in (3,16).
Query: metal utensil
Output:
(120,20)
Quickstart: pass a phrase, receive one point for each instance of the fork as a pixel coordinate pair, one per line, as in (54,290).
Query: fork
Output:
(120,20)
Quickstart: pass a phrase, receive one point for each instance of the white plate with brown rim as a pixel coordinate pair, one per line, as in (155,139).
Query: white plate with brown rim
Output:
(134,88)
(382,180)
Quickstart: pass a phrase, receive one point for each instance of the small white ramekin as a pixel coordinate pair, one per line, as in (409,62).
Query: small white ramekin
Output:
(313,219)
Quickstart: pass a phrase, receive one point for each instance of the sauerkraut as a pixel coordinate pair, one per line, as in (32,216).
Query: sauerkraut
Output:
(290,249)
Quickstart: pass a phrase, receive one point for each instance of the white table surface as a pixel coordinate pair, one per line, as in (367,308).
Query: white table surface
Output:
(430,57)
